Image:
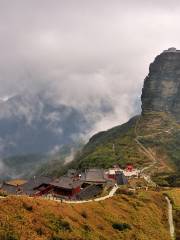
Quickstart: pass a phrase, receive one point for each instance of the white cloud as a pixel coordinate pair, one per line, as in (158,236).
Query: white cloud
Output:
(83,53)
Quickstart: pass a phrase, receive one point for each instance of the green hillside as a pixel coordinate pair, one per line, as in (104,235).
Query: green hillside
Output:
(159,134)
(116,145)
(151,139)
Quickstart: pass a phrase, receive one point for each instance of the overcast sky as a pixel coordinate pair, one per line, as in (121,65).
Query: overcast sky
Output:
(85,52)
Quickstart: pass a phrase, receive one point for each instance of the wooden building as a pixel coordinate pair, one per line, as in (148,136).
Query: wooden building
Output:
(24,187)
(65,187)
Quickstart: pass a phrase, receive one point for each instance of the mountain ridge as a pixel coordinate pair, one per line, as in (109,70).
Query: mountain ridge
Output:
(157,128)
(33,130)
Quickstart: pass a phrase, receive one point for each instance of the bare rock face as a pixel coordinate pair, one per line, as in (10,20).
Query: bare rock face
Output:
(161,91)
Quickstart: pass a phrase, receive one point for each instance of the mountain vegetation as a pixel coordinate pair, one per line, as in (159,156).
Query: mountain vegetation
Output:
(118,146)
(113,146)
(138,216)
(152,136)
(174,195)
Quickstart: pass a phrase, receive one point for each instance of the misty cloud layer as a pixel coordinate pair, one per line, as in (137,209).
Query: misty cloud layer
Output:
(84,54)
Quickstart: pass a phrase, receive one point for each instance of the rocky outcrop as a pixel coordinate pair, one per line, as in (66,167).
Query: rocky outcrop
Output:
(150,141)
(161,91)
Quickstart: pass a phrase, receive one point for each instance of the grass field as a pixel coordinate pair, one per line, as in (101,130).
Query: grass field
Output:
(142,216)
(174,195)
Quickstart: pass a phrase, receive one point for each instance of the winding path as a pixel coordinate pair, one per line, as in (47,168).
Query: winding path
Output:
(144,149)
(170,218)
(110,195)
(148,178)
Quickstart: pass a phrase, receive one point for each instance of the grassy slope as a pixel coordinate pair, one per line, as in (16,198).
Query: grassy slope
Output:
(162,135)
(35,219)
(174,195)
(53,166)
(99,150)
(159,132)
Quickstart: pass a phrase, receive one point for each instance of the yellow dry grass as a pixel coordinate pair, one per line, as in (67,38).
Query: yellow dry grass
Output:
(37,219)
(174,195)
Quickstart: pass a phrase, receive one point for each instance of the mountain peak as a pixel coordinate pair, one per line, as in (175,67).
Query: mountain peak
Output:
(161,91)
(172,49)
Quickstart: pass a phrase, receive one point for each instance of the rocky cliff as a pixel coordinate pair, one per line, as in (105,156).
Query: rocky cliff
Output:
(161,91)
(152,136)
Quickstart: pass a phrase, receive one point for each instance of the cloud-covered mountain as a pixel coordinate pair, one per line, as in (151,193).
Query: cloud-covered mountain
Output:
(33,124)
(89,62)
(151,138)
(35,128)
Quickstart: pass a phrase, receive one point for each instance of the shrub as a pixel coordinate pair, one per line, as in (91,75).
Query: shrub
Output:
(86,228)
(27,207)
(8,236)
(121,226)
(39,231)
(125,192)
(100,226)
(3,194)
(19,217)
(84,214)
(65,225)
(60,225)
(56,238)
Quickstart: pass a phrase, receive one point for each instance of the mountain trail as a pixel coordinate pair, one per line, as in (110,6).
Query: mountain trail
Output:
(170,218)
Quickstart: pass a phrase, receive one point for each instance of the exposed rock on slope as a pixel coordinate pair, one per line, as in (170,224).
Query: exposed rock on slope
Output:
(157,128)
(161,91)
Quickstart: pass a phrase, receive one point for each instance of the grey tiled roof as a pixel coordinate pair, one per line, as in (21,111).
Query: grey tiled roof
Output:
(66,183)
(28,187)
(90,192)
(33,183)
(94,175)
(9,189)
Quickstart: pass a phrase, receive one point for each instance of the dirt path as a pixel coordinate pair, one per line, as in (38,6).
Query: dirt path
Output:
(148,178)
(143,148)
(146,151)
(170,218)
(110,195)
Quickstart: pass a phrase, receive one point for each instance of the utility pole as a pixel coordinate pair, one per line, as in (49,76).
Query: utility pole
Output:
(113,147)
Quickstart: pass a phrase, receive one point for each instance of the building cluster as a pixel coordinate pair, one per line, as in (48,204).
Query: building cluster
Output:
(74,185)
